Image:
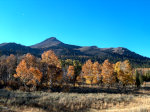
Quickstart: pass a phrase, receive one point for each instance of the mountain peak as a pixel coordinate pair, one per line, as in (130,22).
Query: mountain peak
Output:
(52,41)
(52,38)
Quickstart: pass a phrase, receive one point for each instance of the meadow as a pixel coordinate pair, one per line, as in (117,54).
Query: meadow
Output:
(91,99)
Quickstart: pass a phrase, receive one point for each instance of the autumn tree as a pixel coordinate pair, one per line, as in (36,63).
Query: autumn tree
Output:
(70,73)
(91,72)
(108,75)
(51,59)
(51,68)
(31,60)
(96,72)
(87,71)
(124,72)
(28,72)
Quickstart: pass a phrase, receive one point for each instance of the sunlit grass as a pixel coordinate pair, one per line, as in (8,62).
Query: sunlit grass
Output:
(71,102)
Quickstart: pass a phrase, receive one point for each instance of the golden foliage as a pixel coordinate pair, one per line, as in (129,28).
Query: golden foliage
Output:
(53,67)
(87,68)
(91,72)
(30,60)
(51,59)
(35,75)
(96,72)
(27,72)
(70,73)
(124,72)
(108,73)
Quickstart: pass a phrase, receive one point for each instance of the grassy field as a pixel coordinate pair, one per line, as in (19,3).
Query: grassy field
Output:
(89,101)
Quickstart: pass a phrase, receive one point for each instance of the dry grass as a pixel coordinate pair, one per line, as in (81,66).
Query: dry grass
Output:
(18,101)
(60,102)
(138,104)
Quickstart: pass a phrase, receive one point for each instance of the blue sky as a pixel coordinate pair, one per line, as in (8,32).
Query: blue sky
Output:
(104,23)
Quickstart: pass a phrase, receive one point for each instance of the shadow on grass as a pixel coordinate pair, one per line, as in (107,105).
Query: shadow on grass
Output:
(85,90)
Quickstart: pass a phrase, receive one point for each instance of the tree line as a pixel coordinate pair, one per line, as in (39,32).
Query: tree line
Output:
(48,72)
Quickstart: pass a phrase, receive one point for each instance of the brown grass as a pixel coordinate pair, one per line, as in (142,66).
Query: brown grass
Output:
(61,102)
(18,101)
(138,104)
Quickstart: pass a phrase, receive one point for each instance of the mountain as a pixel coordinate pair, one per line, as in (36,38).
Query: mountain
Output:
(82,53)
(48,43)
(59,47)
(52,42)
(13,48)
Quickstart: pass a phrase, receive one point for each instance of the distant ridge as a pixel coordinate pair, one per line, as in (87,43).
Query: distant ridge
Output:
(13,48)
(65,51)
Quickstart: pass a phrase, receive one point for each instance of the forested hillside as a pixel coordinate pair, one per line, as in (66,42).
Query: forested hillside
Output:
(66,51)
